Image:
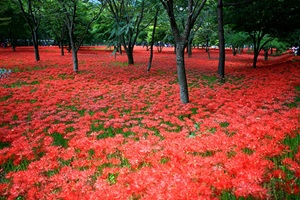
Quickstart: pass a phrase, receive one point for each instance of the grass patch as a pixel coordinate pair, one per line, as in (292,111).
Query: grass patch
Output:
(4,144)
(224,124)
(59,140)
(209,80)
(248,151)
(9,166)
(4,98)
(119,64)
(98,126)
(293,144)
(20,83)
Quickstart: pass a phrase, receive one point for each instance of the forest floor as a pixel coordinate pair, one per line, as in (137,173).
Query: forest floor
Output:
(113,131)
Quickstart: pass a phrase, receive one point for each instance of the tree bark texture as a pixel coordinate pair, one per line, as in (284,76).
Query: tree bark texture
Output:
(221,65)
(182,80)
(152,41)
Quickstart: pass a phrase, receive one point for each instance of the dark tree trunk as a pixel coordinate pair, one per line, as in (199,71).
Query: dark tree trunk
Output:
(184,96)
(255,58)
(70,46)
(119,48)
(233,50)
(36,45)
(62,33)
(62,52)
(152,41)
(75,60)
(129,53)
(74,51)
(221,65)
(266,52)
(208,52)
(33,21)
(181,39)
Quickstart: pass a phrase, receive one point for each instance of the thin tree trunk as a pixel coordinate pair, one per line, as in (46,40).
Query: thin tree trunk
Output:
(208,52)
(152,41)
(221,65)
(62,52)
(255,58)
(75,59)
(266,51)
(184,96)
(233,50)
(36,46)
(74,51)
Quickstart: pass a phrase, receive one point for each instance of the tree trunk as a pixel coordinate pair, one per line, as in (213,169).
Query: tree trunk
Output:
(255,58)
(184,96)
(62,52)
(129,53)
(36,45)
(208,52)
(233,50)
(221,65)
(120,48)
(74,52)
(75,59)
(266,53)
(62,40)
(70,45)
(152,41)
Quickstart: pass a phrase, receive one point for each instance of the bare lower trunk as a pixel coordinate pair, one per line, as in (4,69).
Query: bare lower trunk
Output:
(74,52)
(184,96)
(255,59)
(266,51)
(36,46)
(62,52)
(129,53)
(75,60)
(221,65)
(152,42)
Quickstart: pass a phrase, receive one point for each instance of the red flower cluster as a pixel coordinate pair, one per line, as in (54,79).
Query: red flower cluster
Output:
(117,132)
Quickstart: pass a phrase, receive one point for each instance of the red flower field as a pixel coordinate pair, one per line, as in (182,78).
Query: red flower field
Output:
(114,131)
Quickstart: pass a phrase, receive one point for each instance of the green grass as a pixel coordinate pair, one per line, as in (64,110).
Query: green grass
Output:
(119,64)
(59,140)
(4,144)
(248,151)
(98,126)
(9,166)
(4,98)
(20,83)
(224,124)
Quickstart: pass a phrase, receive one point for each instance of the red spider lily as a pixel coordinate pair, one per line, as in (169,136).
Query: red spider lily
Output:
(123,134)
